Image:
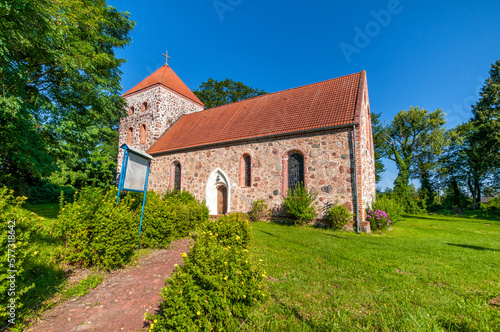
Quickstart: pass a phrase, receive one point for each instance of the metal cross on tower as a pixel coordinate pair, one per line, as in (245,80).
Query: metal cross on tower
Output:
(166,57)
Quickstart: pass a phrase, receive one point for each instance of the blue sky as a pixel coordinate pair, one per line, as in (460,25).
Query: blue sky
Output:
(432,54)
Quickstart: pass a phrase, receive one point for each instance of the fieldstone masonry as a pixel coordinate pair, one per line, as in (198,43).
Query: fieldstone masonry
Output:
(164,108)
(328,169)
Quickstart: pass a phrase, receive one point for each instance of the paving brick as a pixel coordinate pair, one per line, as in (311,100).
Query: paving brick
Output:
(120,301)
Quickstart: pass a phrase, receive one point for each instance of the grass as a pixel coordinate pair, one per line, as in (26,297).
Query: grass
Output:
(429,273)
(49,210)
(46,272)
(82,287)
(49,276)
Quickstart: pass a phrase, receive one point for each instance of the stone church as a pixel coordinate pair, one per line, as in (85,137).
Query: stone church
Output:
(318,134)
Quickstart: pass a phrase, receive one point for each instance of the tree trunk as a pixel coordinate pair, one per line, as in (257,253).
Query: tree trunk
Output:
(478,193)
(472,192)
(401,182)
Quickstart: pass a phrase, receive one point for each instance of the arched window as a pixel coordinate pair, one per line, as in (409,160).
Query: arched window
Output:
(144,106)
(130,136)
(131,110)
(248,170)
(143,133)
(177,176)
(295,170)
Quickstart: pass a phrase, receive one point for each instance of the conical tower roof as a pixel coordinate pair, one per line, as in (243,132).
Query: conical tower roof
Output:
(167,78)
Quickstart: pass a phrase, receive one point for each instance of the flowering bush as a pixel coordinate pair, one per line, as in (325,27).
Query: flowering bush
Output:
(218,284)
(378,219)
(391,205)
(97,231)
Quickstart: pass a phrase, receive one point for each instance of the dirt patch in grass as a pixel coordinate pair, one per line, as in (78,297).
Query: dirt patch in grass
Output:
(495,301)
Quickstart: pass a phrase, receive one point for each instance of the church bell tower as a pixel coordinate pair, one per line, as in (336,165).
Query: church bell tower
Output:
(153,106)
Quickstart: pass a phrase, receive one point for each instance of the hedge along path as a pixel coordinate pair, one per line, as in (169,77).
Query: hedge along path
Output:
(120,301)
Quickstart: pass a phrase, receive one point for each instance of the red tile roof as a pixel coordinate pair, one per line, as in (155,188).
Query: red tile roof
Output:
(166,77)
(315,106)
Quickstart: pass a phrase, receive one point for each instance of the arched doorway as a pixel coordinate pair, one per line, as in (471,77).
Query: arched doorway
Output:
(218,194)
(221,200)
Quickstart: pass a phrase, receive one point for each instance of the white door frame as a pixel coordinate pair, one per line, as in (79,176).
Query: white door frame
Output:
(217,178)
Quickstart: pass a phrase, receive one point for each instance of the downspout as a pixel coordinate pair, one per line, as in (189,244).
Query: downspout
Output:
(355,176)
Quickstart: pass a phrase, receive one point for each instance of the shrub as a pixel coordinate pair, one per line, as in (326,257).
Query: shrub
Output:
(378,219)
(98,232)
(300,204)
(391,206)
(182,196)
(167,218)
(494,203)
(259,210)
(157,226)
(186,216)
(48,192)
(18,229)
(217,286)
(339,216)
(445,212)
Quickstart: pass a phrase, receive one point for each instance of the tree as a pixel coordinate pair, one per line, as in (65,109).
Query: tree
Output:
(454,169)
(214,93)
(378,144)
(59,81)
(486,113)
(81,167)
(465,164)
(410,140)
(485,138)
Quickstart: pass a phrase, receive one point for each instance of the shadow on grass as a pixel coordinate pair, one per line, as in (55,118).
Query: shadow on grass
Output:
(421,217)
(49,210)
(47,239)
(471,247)
(47,280)
(297,314)
(478,217)
(283,222)
(450,325)
(336,236)
(271,234)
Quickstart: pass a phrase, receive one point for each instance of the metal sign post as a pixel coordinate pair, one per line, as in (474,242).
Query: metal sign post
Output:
(134,175)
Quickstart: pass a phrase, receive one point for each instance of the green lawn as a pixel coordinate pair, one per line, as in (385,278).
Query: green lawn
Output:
(46,273)
(49,210)
(427,274)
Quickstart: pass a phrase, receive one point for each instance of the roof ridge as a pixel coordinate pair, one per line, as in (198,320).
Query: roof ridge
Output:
(145,78)
(165,76)
(273,93)
(164,71)
(325,104)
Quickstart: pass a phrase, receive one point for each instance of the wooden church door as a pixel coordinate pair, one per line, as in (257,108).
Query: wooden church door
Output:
(221,200)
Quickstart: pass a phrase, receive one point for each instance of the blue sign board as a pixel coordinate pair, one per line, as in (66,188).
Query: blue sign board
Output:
(134,175)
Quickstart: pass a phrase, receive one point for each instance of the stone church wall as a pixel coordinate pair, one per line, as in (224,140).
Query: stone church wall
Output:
(365,158)
(328,167)
(164,108)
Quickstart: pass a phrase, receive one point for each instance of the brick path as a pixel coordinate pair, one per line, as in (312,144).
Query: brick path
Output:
(120,301)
